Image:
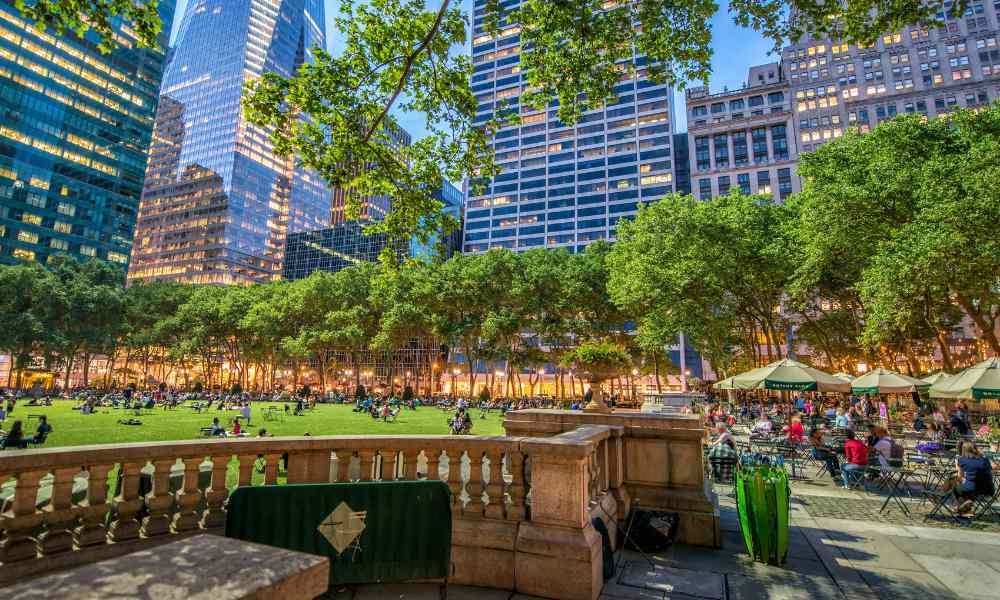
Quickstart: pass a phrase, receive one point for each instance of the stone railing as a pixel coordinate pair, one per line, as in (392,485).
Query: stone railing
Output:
(661,460)
(522,513)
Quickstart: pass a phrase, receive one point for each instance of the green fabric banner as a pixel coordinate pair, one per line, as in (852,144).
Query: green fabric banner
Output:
(372,532)
(797,386)
(984,394)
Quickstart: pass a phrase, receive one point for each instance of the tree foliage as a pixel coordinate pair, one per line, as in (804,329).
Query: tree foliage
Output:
(99,16)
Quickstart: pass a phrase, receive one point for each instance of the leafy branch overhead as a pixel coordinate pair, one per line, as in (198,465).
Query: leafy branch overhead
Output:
(99,16)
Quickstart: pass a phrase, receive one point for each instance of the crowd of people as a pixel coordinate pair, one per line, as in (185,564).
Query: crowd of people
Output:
(851,436)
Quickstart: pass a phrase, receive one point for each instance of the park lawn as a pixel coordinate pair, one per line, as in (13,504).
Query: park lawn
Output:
(70,428)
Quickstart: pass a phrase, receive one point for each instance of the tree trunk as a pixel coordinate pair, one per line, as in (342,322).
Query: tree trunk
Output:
(942,341)
(985,327)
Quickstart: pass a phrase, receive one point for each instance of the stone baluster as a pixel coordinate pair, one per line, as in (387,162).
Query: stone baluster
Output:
(388,464)
(433,463)
(160,501)
(454,479)
(344,460)
(188,497)
(602,464)
(271,469)
(517,510)
(474,486)
(247,462)
(410,458)
(494,488)
(60,517)
(94,509)
(215,496)
(20,523)
(127,505)
(309,466)
(366,457)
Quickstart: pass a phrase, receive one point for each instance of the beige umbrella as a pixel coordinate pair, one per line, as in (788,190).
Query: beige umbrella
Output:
(725,384)
(978,382)
(884,381)
(935,377)
(845,376)
(788,374)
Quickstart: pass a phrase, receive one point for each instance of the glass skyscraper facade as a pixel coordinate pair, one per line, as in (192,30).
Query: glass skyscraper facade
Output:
(75,125)
(218,204)
(564,186)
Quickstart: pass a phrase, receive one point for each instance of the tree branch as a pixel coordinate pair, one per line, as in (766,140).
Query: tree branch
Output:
(407,67)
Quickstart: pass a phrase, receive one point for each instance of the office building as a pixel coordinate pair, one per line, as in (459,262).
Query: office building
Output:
(682,165)
(563,186)
(373,208)
(218,204)
(446,247)
(75,125)
(346,244)
(838,86)
(742,140)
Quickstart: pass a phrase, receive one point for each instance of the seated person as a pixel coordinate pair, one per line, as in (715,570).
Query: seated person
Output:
(43,430)
(237,428)
(821,451)
(842,420)
(461,422)
(724,444)
(14,438)
(974,476)
(882,445)
(795,432)
(762,426)
(856,455)
(216,428)
(958,424)
(919,424)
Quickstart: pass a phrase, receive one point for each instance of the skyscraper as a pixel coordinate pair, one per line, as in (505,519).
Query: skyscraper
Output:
(838,86)
(564,186)
(75,125)
(218,203)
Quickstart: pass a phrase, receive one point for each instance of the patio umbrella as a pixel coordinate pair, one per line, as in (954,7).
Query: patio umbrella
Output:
(978,382)
(725,384)
(884,381)
(935,377)
(788,374)
(844,376)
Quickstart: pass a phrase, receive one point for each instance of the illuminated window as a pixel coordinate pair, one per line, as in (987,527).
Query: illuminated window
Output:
(30,218)
(88,251)
(66,209)
(62,227)
(27,237)
(24,254)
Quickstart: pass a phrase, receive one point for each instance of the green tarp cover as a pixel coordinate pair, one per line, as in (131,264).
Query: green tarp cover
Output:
(379,531)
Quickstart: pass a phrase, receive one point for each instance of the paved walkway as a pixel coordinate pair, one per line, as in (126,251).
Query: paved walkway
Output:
(841,547)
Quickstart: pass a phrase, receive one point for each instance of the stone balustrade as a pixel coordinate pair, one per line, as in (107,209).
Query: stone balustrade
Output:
(522,514)
(659,463)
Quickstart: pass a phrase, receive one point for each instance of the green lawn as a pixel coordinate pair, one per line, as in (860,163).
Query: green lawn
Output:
(70,428)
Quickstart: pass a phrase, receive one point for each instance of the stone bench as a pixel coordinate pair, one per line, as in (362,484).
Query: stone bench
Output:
(202,566)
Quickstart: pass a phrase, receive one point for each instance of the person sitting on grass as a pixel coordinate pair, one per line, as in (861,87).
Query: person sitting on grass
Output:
(237,428)
(43,430)
(217,430)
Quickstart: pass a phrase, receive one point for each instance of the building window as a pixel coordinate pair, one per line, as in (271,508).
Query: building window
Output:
(740,156)
(779,142)
(721,143)
(27,237)
(743,181)
(784,183)
(701,153)
(723,185)
(759,139)
(88,250)
(23,254)
(58,244)
(704,189)
(763,182)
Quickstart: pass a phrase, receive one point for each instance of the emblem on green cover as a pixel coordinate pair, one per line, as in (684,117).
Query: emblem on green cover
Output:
(343,527)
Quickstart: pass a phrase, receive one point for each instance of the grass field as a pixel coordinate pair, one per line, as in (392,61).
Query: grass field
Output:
(70,428)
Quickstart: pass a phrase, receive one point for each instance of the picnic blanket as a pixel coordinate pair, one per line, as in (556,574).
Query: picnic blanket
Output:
(372,532)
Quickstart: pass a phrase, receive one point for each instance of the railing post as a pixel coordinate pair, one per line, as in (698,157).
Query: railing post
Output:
(187,497)
(366,458)
(311,466)
(19,525)
(494,488)
(410,459)
(127,505)
(247,462)
(216,494)
(388,464)
(59,515)
(517,511)
(160,500)
(344,460)
(91,530)
(271,468)
(474,487)
(433,463)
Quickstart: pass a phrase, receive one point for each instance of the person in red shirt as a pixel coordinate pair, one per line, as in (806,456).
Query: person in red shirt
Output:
(856,454)
(796,433)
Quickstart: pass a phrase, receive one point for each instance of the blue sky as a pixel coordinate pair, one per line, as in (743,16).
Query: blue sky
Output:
(735,50)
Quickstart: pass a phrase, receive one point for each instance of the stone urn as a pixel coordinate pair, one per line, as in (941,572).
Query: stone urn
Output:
(596,362)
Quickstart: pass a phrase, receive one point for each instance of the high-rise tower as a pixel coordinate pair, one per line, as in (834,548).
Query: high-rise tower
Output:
(75,125)
(217,202)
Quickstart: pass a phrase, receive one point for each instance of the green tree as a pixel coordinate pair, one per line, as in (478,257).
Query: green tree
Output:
(98,16)
(336,115)
(31,307)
